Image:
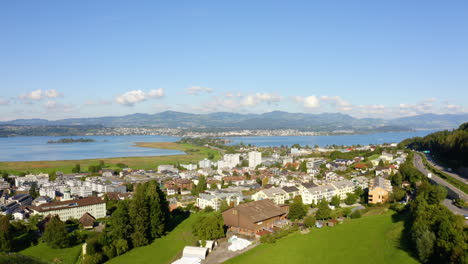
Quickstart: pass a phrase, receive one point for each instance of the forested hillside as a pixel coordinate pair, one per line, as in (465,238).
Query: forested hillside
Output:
(447,147)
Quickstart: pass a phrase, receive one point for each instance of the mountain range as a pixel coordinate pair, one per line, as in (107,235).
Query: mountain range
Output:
(270,120)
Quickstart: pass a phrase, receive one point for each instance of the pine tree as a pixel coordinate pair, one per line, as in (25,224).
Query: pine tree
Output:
(120,222)
(139,217)
(158,209)
(5,234)
(297,210)
(323,211)
(56,235)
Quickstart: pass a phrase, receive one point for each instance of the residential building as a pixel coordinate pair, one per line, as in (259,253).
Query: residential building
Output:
(214,199)
(379,190)
(317,193)
(253,217)
(277,195)
(206,163)
(255,159)
(95,206)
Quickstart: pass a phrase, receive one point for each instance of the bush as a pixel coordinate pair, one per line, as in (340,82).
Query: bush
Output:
(356,214)
(271,238)
(309,221)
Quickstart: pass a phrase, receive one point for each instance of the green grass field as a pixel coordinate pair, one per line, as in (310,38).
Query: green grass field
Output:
(371,239)
(163,250)
(50,255)
(193,154)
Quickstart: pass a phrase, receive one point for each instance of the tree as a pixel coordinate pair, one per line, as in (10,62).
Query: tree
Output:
(5,234)
(76,169)
(398,194)
(224,206)
(213,186)
(303,166)
(33,191)
(158,209)
(121,246)
(323,212)
(297,210)
(52,176)
(335,201)
(397,179)
(351,199)
(139,217)
(201,186)
(56,234)
(209,227)
(425,245)
(381,163)
(309,221)
(119,222)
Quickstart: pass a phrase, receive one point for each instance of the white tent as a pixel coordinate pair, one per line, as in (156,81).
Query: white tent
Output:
(195,252)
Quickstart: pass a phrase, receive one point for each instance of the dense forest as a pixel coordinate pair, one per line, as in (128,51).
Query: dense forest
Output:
(447,147)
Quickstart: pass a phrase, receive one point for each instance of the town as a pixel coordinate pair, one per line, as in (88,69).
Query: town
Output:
(261,194)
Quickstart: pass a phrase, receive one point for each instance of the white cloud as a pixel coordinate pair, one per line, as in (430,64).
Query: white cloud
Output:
(197,90)
(52,93)
(34,95)
(158,93)
(39,94)
(259,98)
(136,96)
(310,102)
(53,105)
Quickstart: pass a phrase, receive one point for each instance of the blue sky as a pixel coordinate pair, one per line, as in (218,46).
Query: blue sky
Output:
(60,59)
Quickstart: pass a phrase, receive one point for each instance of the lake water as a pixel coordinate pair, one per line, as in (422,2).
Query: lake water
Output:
(323,141)
(37,148)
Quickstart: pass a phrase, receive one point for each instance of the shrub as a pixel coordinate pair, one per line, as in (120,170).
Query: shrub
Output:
(355,214)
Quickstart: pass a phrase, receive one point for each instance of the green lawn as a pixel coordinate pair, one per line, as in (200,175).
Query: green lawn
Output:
(163,250)
(372,239)
(50,255)
(193,155)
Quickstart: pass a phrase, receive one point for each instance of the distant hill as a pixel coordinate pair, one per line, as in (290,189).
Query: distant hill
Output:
(270,120)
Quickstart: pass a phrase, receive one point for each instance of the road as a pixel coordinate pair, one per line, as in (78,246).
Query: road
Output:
(456,176)
(453,192)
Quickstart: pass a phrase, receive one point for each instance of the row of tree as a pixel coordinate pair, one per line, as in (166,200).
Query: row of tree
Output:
(448,147)
(134,223)
(438,235)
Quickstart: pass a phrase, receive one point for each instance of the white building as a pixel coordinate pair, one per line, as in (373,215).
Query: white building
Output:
(317,193)
(189,166)
(255,159)
(277,195)
(205,163)
(229,161)
(214,200)
(95,206)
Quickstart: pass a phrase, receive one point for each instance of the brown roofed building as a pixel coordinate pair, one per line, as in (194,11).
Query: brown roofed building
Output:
(87,221)
(180,184)
(251,218)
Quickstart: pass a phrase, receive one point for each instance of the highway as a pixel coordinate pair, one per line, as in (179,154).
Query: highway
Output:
(453,192)
(456,176)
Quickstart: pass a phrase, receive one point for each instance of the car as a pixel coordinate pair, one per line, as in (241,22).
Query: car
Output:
(466,217)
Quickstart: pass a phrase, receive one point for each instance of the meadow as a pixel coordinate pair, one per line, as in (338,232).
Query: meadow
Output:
(371,239)
(47,254)
(193,155)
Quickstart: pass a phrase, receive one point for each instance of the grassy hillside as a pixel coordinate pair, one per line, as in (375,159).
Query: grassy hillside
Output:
(372,239)
(50,255)
(193,154)
(163,250)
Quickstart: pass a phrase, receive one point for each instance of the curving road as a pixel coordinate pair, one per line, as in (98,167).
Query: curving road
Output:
(453,192)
